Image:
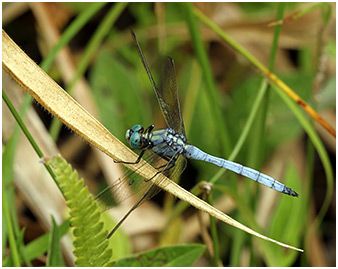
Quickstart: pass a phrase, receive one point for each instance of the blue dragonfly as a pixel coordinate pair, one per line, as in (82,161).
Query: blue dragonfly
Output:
(168,148)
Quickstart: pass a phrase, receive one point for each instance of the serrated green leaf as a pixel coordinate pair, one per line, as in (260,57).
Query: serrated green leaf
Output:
(85,216)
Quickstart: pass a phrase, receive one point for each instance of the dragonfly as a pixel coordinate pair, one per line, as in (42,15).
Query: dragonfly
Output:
(168,148)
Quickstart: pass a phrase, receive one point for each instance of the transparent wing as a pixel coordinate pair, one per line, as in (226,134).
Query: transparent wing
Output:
(167,96)
(153,189)
(132,183)
(136,182)
(126,186)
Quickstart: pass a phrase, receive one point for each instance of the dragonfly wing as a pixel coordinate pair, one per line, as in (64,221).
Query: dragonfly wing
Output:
(177,170)
(153,189)
(165,168)
(167,97)
(132,183)
(126,186)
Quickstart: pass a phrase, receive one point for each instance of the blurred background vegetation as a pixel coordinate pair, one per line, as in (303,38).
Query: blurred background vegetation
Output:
(100,67)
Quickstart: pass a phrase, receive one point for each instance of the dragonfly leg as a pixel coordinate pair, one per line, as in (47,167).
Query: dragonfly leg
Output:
(170,164)
(136,162)
(150,128)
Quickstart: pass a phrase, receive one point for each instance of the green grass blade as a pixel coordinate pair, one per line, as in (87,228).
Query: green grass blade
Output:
(91,49)
(54,257)
(207,73)
(274,79)
(25,131)
(70,32)
(9,225)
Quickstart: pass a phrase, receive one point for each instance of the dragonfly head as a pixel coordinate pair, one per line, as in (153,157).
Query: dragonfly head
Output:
(134,136)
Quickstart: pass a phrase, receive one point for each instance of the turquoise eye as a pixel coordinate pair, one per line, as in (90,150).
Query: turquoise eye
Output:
(136,128)
(134,136)
(135,140)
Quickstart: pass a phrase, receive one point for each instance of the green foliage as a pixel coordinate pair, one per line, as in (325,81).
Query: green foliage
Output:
(35,248)
(113,88)
(124,97)
(286,223)
(173,256)
(143,13)
(91,246)
(92,47)
(9,216)
(54,257)
(40,245)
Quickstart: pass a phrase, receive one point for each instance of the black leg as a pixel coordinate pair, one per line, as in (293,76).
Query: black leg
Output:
(136,162)
(171,163)
(149,129)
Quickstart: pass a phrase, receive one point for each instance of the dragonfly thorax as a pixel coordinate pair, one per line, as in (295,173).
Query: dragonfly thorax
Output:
(167,142)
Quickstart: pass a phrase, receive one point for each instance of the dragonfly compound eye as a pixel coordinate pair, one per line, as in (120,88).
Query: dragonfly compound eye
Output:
(137,128)
(135,140)
(128,134)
